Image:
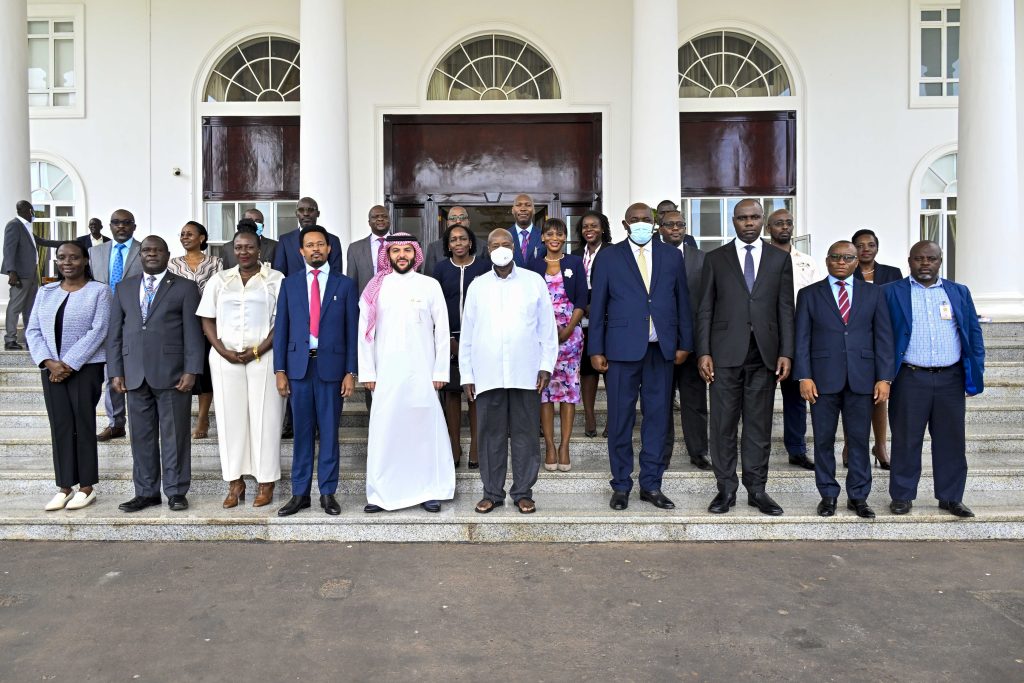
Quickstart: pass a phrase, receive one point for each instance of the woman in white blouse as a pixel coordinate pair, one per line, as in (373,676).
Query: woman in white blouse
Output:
(237,309)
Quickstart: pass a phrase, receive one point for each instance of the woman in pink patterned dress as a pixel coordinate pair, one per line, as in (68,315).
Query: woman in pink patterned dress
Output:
(567,284)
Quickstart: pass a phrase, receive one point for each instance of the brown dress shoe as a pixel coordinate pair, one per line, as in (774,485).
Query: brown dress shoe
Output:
(111,433)
(236,492)
(265,495)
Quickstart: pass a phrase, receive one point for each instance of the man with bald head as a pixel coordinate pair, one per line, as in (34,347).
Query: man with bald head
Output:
(640,327)
(940,358)
(457,217)
(744,346)
(362,254)
(794,409)
(154,352)
(526,238)
(288,255)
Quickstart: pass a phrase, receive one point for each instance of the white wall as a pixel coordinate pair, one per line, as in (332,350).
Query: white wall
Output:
(861,141)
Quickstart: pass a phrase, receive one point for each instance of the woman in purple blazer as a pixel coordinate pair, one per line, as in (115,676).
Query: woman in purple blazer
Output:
(66,335)
(566,279)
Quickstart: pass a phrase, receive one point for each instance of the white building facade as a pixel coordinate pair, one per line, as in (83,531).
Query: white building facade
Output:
(901,116)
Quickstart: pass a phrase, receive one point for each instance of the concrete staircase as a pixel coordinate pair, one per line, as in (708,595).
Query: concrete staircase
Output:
(572,507)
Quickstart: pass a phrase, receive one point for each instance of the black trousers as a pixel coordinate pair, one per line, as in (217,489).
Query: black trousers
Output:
(934,400)
(746,391)
(693,410)
(71,407)
(855,410)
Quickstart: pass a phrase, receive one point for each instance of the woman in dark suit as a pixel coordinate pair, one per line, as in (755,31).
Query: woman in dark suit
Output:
(66,335)
(866,242)
(596,233)
(566,280)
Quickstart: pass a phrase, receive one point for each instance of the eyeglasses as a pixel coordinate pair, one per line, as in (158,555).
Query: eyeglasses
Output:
(845,258)
(117,221)
(674,224)
(452,218)
(780,223)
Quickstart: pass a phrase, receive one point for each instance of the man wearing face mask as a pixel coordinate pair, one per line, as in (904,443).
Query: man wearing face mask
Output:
(251,222)
(640,327)
(507,349)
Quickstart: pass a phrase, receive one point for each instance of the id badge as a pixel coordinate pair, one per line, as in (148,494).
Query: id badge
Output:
(945,311)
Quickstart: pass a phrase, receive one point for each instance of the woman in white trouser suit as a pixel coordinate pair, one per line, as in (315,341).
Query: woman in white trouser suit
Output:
(238,309)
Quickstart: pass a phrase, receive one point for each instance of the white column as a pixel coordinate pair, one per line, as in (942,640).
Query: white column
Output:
(323,133)
(14,145)
(988,201)
(654,124)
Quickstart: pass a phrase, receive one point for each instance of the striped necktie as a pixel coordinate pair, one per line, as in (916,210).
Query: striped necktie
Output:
(844,302)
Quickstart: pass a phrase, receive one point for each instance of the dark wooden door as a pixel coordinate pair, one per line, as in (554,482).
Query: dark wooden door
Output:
(250,158)
(437,161)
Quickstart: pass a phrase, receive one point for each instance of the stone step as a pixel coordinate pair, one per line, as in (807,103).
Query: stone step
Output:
(576,518)
(26,475)
(1003,329)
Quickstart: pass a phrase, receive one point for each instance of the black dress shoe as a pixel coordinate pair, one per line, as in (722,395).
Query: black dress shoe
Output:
(12,346)
(721,503)
(657,499)
(177,503)
(473,465)
(763,502)
(620,500)
(431,506)
(701,462)
(956,507)
(294,504)
(860,506)
(139,503)
(370,508)
(827,507)
(801,460)
(901,507)
(330,504)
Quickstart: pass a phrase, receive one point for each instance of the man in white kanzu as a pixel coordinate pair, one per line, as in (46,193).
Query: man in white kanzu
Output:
(404,361)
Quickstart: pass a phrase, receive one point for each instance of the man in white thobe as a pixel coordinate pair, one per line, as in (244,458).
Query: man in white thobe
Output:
(404,361)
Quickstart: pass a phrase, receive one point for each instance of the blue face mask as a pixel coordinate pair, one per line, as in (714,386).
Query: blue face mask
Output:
(640,233)
(259,229)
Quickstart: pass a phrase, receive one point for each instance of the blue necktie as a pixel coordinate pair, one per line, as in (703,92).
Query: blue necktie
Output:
(117,270)
(748,267)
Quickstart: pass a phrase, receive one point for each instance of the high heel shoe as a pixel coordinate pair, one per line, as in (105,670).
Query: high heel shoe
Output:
(882,464)
(550,466)
(564,467)
(236,492)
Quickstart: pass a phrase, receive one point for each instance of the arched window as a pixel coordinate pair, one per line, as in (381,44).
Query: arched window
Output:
(260,69)
(54,203)
(938,208)
(494,67)
(731,64)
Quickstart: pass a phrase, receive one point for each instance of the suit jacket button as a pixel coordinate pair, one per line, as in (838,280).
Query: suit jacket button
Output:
(143,327)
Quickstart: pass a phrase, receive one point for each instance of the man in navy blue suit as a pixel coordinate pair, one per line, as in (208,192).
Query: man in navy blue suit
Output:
(640,326)
(844,361)
(315,358)
(287,257)
(940,356)
(526,237)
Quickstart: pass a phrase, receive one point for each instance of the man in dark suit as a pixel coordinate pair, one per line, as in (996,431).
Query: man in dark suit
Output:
(940,354)
(844,361)
(288,255)
(744,346)
(640,325)
(526,238)
(362,254)
(251,222)
(112,262)
(95,236)
(154,352)
(457,217)
(21,263)
(693,391)
(315,358)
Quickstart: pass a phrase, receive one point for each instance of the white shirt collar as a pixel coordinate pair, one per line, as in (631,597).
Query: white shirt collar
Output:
(832,280)
(511,275)
(27,224)
(324,269)
(159,278)
(741,247)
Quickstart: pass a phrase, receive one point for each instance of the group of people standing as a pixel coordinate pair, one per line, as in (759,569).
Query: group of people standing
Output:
(275,336)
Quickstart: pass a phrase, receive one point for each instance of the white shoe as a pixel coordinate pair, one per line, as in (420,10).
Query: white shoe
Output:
(58,501)
(81,500)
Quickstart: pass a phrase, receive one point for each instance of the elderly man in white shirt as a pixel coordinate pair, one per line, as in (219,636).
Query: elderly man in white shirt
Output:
(507,350)
(794,408)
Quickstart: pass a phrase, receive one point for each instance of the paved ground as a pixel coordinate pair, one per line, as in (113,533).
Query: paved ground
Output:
(694,612)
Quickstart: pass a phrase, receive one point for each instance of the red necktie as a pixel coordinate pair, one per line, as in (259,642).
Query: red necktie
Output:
(844,302)
(314,306)
(524,238)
